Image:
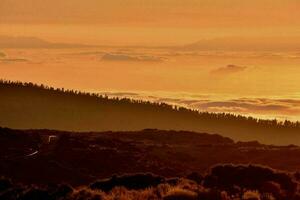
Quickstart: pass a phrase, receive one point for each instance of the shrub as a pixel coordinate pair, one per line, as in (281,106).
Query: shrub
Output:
(180,194)
(273,188)
(251,195)
(212,194)
(35,193)
(194,176)
(172,181)
(62,191)
(250,177)
(134,181)
(5,184)
(86,194)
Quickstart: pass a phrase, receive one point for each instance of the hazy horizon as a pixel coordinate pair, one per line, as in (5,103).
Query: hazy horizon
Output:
(155,22)
(224,51)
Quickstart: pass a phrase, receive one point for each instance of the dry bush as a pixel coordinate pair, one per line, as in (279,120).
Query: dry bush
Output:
(35,193)
(251,195)
(180,194)
(251,177)
(86,194)
(188,184)
(129,181)
(212,194)
(5,184)
(121,193)
(194,176)
(162,189)
(231,182)
(273,188)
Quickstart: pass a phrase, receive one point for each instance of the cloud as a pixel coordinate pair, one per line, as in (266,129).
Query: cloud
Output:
(258,107)
(120,94)
(272,55)
(86,53)
(130,58)
(14,60)
(229,69)
(2,55)
(242,105)
(34,42)
(261,44)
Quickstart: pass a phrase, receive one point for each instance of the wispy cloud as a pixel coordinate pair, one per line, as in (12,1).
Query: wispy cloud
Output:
(251,105)
(2,55)
(121,94)
(229,69)
(86,53)
(13,60)
(262,107)
(129,57)
(34,42)
(261,44)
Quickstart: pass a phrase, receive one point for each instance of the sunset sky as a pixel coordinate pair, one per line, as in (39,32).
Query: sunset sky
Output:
(138,21)
(215,55)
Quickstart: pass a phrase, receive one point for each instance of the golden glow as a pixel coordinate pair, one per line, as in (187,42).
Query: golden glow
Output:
(157,20)
(247,48)
(143,12)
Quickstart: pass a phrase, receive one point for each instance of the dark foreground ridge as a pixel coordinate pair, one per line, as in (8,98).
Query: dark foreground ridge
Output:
(30,106)
(53,157)
(222,182)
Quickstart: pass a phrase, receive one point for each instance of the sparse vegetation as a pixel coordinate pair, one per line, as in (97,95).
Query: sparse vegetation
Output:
(183,190)
(78,158)
(137,181)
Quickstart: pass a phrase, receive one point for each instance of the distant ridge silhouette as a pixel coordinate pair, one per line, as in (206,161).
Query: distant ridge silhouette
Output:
(32,106)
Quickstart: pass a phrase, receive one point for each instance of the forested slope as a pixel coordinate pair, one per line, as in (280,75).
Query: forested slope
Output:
(29,106)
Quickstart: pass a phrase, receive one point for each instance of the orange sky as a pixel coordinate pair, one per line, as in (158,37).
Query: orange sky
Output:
(141,12)
(138,21)
(244,48)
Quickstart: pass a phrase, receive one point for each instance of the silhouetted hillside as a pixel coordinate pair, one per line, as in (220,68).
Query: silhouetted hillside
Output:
(30,106)
(45,156)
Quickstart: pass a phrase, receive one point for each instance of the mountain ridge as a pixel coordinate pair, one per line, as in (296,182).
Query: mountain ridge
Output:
(32,106)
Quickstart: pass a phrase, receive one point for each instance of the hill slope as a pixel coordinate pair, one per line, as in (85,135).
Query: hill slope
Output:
(29,106)
(79,158)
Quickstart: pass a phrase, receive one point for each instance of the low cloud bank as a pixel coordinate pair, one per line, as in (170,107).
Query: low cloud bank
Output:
(130,58)
(262,107)
(229,69)
(257,106)
(13,60)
